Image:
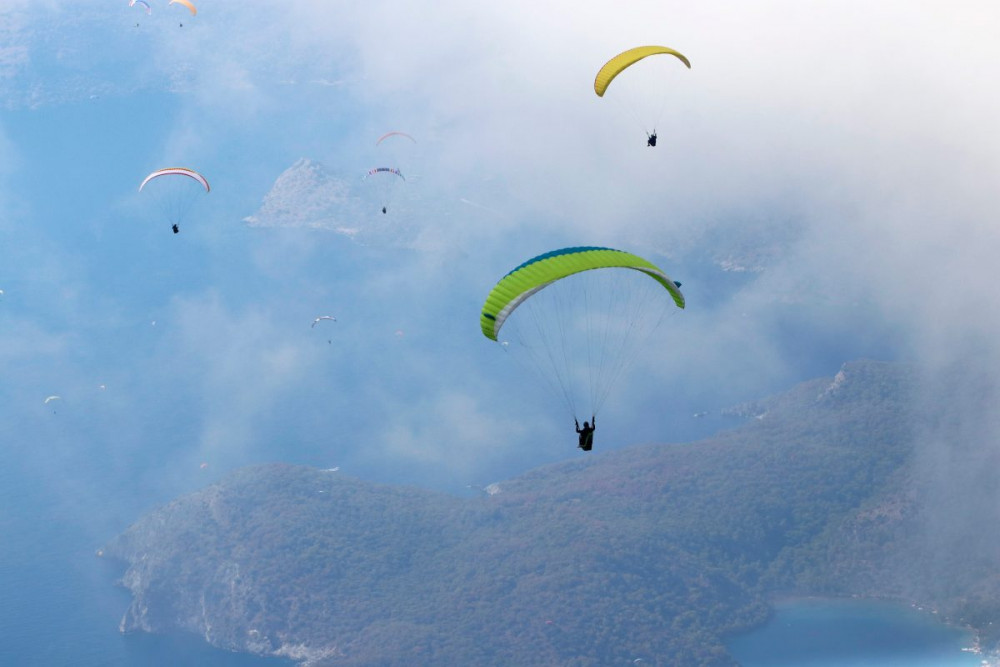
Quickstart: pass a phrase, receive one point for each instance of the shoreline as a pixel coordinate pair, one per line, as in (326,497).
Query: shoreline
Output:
(778,601)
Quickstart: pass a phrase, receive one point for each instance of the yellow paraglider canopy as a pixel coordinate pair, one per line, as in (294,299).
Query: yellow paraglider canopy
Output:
(614,67)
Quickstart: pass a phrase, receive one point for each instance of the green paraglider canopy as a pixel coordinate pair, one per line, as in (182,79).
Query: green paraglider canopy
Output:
(540,271)
(578,317)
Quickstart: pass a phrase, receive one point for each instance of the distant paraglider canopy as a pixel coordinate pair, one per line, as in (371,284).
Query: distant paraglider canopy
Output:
(133,3)
(321,318)
(179,171)
(384,170)
(186,3)
(394,134)
(383,181)
(400,150)
(175,190)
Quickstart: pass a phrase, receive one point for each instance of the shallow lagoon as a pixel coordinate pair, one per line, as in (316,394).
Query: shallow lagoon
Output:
(853,633)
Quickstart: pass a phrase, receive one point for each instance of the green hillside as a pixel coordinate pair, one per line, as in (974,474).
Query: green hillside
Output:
(652,552)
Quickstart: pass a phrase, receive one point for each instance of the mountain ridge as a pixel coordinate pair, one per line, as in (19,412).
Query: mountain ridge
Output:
(654,551)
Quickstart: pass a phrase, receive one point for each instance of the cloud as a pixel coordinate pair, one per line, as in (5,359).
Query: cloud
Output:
(802,193)
(446,429)
(13,59)
(53,54)
(824,175)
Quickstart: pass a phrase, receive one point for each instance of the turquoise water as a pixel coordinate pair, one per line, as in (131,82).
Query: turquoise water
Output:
(59,605)
(853,633)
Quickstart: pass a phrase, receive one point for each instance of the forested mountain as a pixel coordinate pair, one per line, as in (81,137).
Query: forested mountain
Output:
(653,552)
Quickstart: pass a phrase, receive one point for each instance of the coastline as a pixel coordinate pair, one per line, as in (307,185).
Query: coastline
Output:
(901,621)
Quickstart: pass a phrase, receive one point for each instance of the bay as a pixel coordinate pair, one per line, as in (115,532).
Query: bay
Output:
(853,633)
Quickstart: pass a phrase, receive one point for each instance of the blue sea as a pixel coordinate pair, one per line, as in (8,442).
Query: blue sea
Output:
(853,633)
(59,604)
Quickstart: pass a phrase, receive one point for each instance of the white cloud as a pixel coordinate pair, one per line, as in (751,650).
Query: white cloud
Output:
(841,152)
(452,432)
(845,152)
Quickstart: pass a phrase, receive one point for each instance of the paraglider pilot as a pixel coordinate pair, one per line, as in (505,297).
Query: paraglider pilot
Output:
(383,209)
(651,139)
(175,228)
(586,433)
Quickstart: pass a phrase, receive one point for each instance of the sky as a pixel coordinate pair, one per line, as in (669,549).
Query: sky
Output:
(824,186)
